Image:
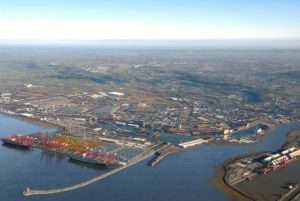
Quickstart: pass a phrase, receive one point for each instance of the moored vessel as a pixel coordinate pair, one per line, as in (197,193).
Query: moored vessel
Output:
(19,140)
(97,158)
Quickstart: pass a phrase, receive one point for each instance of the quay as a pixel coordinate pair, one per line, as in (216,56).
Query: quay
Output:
(289,193)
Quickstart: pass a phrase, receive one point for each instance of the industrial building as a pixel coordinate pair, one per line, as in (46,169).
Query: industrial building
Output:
(192,143)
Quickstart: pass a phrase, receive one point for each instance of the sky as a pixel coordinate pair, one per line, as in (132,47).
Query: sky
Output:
(50,20)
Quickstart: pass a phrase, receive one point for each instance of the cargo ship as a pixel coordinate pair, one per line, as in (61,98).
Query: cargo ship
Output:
(94,158)
(85,159)
(19,141)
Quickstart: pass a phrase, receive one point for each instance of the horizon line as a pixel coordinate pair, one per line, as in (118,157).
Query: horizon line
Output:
(238,43)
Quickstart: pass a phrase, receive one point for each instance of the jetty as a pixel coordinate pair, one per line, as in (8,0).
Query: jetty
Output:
(30,192)
(167,150)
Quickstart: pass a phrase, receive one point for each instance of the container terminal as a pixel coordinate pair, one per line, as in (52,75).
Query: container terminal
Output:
(278,170)
(89,151)
(117,152)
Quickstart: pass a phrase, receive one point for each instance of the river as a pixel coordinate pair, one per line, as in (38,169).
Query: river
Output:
(185,176)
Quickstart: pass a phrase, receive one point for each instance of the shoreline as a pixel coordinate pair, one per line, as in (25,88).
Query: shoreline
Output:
(221,184)
(271,127)
(218,180)
(36,122)
(31,192)
(228,190)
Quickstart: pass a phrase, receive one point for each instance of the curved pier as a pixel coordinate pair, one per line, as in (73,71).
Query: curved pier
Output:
(29,192)
(164,153)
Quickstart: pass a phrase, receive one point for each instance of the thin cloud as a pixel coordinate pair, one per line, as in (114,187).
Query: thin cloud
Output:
(86,30)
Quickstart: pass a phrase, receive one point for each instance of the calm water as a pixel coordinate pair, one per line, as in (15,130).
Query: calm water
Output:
(182,176)
(131,131)
(249,131)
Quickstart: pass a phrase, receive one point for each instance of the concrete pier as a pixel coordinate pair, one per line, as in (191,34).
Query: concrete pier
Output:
(170,149)
(29,192)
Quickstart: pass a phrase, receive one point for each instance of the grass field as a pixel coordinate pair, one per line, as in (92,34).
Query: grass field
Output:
(293,136)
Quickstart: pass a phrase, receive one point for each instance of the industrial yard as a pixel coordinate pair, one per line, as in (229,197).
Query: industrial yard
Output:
(116,107)
(99,151)
(274,185)
(94,148)
(278,170)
